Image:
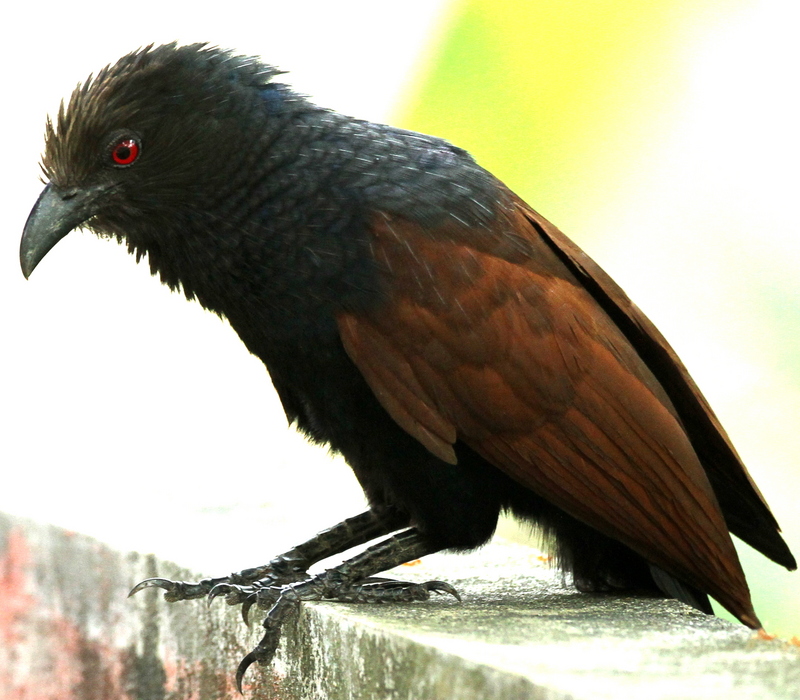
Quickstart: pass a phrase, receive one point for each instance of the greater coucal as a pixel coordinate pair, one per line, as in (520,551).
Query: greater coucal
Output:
(414,314)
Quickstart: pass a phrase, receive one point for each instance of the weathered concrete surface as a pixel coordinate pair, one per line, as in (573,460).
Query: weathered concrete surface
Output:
(520,634)
(68,632)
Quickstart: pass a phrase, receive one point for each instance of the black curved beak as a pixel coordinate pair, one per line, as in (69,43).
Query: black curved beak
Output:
(55,214)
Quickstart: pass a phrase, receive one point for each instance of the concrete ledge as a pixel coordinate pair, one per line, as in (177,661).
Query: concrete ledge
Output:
(68,631)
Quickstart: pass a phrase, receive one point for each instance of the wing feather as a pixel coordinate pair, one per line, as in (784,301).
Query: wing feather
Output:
(504,349)
(744,507)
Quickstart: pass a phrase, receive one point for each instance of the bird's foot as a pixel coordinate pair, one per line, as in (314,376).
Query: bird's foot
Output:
(286,568)
(281,585)
(282,600)
(278,572)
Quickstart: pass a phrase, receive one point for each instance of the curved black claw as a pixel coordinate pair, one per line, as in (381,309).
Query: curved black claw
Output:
(245,596)
(246,610)
(441,587)
(174,590)
(244,664)
(178,590)
(164,583)
(233,594)
(218,590)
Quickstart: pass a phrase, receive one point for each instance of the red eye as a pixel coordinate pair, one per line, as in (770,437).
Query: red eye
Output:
(125,152)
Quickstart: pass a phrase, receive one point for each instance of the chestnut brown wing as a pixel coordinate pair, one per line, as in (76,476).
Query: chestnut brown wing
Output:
(489,338)
(746,512)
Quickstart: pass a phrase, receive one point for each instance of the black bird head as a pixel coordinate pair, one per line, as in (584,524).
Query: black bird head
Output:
(235,186)
(123,156)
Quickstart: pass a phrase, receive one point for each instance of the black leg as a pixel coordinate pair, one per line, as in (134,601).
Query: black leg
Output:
(352,581)
(287,567)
